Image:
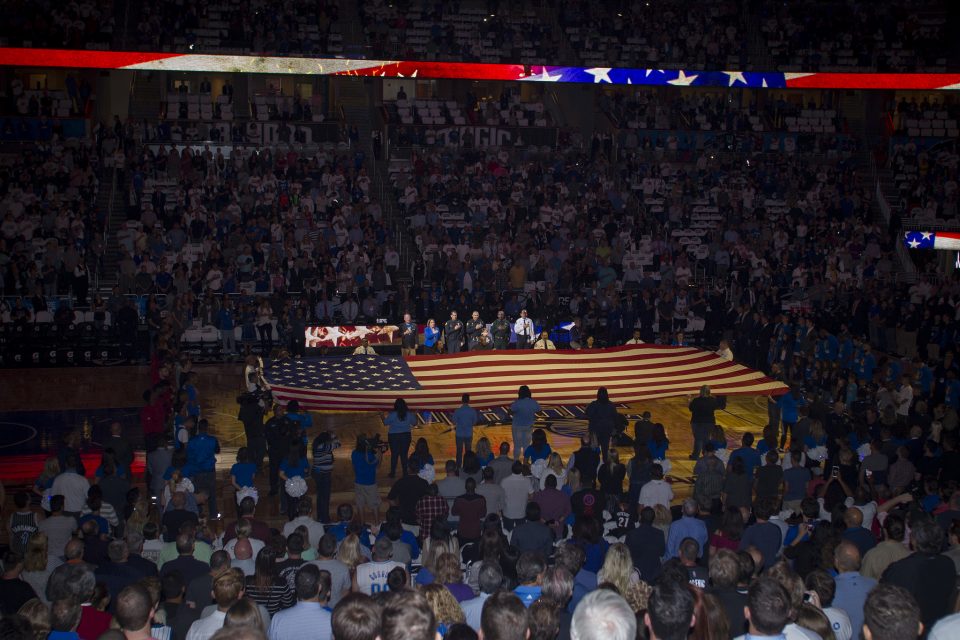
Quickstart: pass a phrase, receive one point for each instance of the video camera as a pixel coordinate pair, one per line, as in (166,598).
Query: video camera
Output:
(372,444)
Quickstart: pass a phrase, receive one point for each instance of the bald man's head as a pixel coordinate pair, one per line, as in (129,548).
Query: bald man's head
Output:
(243,550)
(846,557)
(853,517)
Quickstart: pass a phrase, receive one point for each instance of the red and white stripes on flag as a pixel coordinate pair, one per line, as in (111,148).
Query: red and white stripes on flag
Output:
(630,373)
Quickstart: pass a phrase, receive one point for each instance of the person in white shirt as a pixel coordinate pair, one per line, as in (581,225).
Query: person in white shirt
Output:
(364,349)
(227,589)
(544,343)
(72,486)
(516,489)
(309,618)
(635,339)
(724,351)
(314,528)
(657,491)
(490,579)
(371,577)
(523,327)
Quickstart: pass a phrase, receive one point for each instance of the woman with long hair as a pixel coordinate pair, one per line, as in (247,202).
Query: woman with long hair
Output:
(421,454)
(38,565)
(450,575)
(737,488)
(727,535)
(350,553)
(603,419)
(539,448)
(267,588)
(711,620)
(439,542)
(445,606)
(400,423)
(555,467)
(484,451)
(611,475)
(619,571)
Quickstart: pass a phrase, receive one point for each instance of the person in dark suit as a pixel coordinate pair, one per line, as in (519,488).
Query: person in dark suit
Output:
(647,546)
(188,566)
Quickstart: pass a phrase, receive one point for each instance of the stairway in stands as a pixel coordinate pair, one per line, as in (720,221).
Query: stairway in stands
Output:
(111,199)
(359,104)
(146,93)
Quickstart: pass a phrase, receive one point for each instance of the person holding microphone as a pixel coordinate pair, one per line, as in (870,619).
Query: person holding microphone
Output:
(523,327)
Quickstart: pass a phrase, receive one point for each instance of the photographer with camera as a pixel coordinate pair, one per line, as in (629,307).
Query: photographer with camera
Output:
(366,459)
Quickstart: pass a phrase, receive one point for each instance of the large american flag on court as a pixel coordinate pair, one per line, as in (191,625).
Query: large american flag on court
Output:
(630,373)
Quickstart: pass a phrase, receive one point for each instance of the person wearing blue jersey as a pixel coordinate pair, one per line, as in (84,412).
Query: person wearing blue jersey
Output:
(464,419)
(202,453)
(789,404)
(523,411)
(400,423)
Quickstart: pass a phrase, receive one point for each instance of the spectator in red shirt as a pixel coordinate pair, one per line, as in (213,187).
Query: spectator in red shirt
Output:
(471,508)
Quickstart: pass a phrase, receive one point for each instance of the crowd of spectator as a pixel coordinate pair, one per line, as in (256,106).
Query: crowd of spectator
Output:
(843,36)
(884,36)
(265,26)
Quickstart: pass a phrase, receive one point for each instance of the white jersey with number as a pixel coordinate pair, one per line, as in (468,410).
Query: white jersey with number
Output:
(372,576)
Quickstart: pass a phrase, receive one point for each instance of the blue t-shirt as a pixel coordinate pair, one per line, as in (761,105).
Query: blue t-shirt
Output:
(396,425)
(293,470)
(202,453)
(658,451)
(305,420)
(537,453)
(751,459)
(364,468)
(464,418)
(524,412)
(244,472)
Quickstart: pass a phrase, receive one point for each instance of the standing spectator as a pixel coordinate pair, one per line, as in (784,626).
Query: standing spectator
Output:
(710,474)
(763,534)
(925,573)
(464,419)
(504,617)
(202,457)
(309,618)
(227,589)
(657,491)
(852,588)
(749,455)
(533,535)
(366,459)
(72,486)
(603,420)
(724,573)
(795,480)
(523,412)
(516,489)
(688,526)
(502,465)
(23,523)
(371,577)
(280,433)
(251,415)
(768,609)
(670,612)
(323,447)
(892,613)
(59,527)
(493,493)
(769,482)
(702,418)
(470,508)
(605,615)
(822,589)
(294,467)
(430,508)
(14,591)
(400,423)
(406,493)
(890,550)
(647,546)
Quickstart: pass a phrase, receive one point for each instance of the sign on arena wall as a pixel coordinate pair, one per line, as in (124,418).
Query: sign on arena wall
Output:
(351,335)
(478,137)
(198,62)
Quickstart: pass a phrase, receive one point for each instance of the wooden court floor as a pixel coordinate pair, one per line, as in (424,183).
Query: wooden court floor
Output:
(76,390)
